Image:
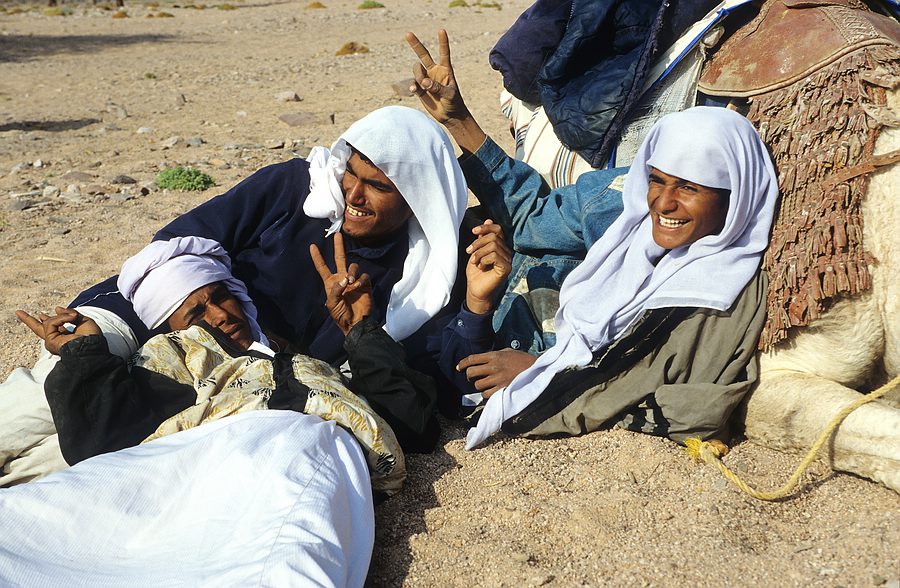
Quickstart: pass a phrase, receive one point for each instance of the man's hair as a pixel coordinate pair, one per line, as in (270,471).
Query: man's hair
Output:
(361,155)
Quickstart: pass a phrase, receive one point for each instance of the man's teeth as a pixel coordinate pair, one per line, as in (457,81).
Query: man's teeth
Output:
(671,223)
(355,212)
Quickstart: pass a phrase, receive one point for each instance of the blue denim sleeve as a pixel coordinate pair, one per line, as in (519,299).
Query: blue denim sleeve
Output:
(564,221)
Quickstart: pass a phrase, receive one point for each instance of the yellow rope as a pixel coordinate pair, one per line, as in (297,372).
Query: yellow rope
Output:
(703,450)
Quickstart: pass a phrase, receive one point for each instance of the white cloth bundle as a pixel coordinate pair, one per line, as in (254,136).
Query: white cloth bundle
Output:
(268,498)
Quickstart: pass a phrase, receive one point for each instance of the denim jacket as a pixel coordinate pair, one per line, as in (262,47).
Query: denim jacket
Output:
(550,232)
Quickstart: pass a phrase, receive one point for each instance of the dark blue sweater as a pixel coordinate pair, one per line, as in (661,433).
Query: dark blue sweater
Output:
(260,222)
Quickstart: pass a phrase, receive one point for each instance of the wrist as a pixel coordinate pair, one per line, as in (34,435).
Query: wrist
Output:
(467,133)
(477,305)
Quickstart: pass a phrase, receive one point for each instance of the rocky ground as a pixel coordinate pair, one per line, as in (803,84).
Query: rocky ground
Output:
(92,107)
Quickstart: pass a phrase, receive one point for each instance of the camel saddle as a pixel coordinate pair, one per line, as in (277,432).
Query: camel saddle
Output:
(814,34)
(812,77)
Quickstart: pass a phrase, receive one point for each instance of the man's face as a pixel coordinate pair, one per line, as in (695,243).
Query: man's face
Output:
(214,304)
(682,211)
(375,208)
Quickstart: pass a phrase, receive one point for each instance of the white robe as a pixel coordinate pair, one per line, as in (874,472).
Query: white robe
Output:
(269,498)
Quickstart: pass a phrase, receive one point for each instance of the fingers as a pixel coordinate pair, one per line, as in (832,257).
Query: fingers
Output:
(55,324)
(443,48)
(340,258)
(319,262)
(474,359)
(30,322)
(420,50)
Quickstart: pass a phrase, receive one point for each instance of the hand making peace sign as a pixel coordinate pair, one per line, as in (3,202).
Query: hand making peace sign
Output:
(348,297)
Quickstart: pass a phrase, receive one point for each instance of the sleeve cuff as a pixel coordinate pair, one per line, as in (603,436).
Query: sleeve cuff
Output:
(88,345)
(473,326)
(358,331)
(481,163)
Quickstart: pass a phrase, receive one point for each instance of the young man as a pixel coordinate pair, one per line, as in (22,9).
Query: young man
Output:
(656,329)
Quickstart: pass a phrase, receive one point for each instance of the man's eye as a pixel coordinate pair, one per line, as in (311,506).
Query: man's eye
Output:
(689,188)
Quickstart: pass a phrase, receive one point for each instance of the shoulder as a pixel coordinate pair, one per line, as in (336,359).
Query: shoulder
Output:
(288,177)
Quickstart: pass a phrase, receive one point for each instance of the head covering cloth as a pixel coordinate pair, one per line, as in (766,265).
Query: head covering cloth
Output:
(159,278)
(417,156)
(629,273)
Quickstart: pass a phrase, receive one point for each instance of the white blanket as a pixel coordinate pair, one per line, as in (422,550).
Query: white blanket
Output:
(269,498)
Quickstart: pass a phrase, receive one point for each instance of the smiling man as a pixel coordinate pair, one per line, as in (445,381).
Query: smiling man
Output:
(639,289)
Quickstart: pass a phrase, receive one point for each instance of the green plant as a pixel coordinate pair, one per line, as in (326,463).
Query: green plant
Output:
(489,5)
(459,4)
(367,4)
(184,178)
(58,11)
(226,7)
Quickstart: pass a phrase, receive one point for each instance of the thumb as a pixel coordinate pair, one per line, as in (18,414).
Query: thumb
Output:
(432,87)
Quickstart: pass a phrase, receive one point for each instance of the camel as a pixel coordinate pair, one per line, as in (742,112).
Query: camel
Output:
(853,346)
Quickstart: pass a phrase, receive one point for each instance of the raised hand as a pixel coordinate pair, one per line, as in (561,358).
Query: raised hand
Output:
(52,329)
(494,370)
(490,261)
(348,297)
(436,87)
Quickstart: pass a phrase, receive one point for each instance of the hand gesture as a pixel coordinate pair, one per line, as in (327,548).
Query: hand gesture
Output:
(435,83)
(348,298)
(490,261)
(494,370)
(52,330)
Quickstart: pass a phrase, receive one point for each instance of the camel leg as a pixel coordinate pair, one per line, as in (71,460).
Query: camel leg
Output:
(788,410)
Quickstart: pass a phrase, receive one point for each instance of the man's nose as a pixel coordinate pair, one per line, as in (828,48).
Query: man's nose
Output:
(215,315)
(667,201)
(354,194)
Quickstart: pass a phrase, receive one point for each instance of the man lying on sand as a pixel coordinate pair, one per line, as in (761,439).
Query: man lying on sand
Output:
(657,328)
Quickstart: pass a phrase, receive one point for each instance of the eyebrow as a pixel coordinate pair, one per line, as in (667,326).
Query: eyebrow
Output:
(375,183)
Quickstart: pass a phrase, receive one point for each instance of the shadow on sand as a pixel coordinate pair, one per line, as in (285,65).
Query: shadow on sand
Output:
(402,516)
(52,126)
(27,47)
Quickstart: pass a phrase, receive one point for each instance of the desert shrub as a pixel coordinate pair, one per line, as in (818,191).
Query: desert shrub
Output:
(352,48)
(315,5)
(368,4)
(184,178)
(226,7)
(459,4)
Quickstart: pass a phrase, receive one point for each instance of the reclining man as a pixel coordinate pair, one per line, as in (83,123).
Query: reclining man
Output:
(392,186)
(290,483)
(209,363)
(656,329)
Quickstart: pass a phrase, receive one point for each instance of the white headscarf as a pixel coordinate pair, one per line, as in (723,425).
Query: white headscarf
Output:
(417,156)
(164,273)
(618,281)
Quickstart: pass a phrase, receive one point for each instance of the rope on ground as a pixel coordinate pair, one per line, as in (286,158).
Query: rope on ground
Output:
(703,450)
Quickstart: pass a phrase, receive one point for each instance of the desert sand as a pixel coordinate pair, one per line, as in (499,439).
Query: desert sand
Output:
(86,98)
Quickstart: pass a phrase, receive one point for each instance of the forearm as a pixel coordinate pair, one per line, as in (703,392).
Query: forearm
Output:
(467,133)
(516,196)
(97,404)
(402,396)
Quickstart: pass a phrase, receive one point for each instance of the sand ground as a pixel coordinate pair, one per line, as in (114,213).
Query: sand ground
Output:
(86,98)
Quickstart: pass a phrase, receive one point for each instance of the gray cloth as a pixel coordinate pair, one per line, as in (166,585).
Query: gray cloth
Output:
(688,384)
